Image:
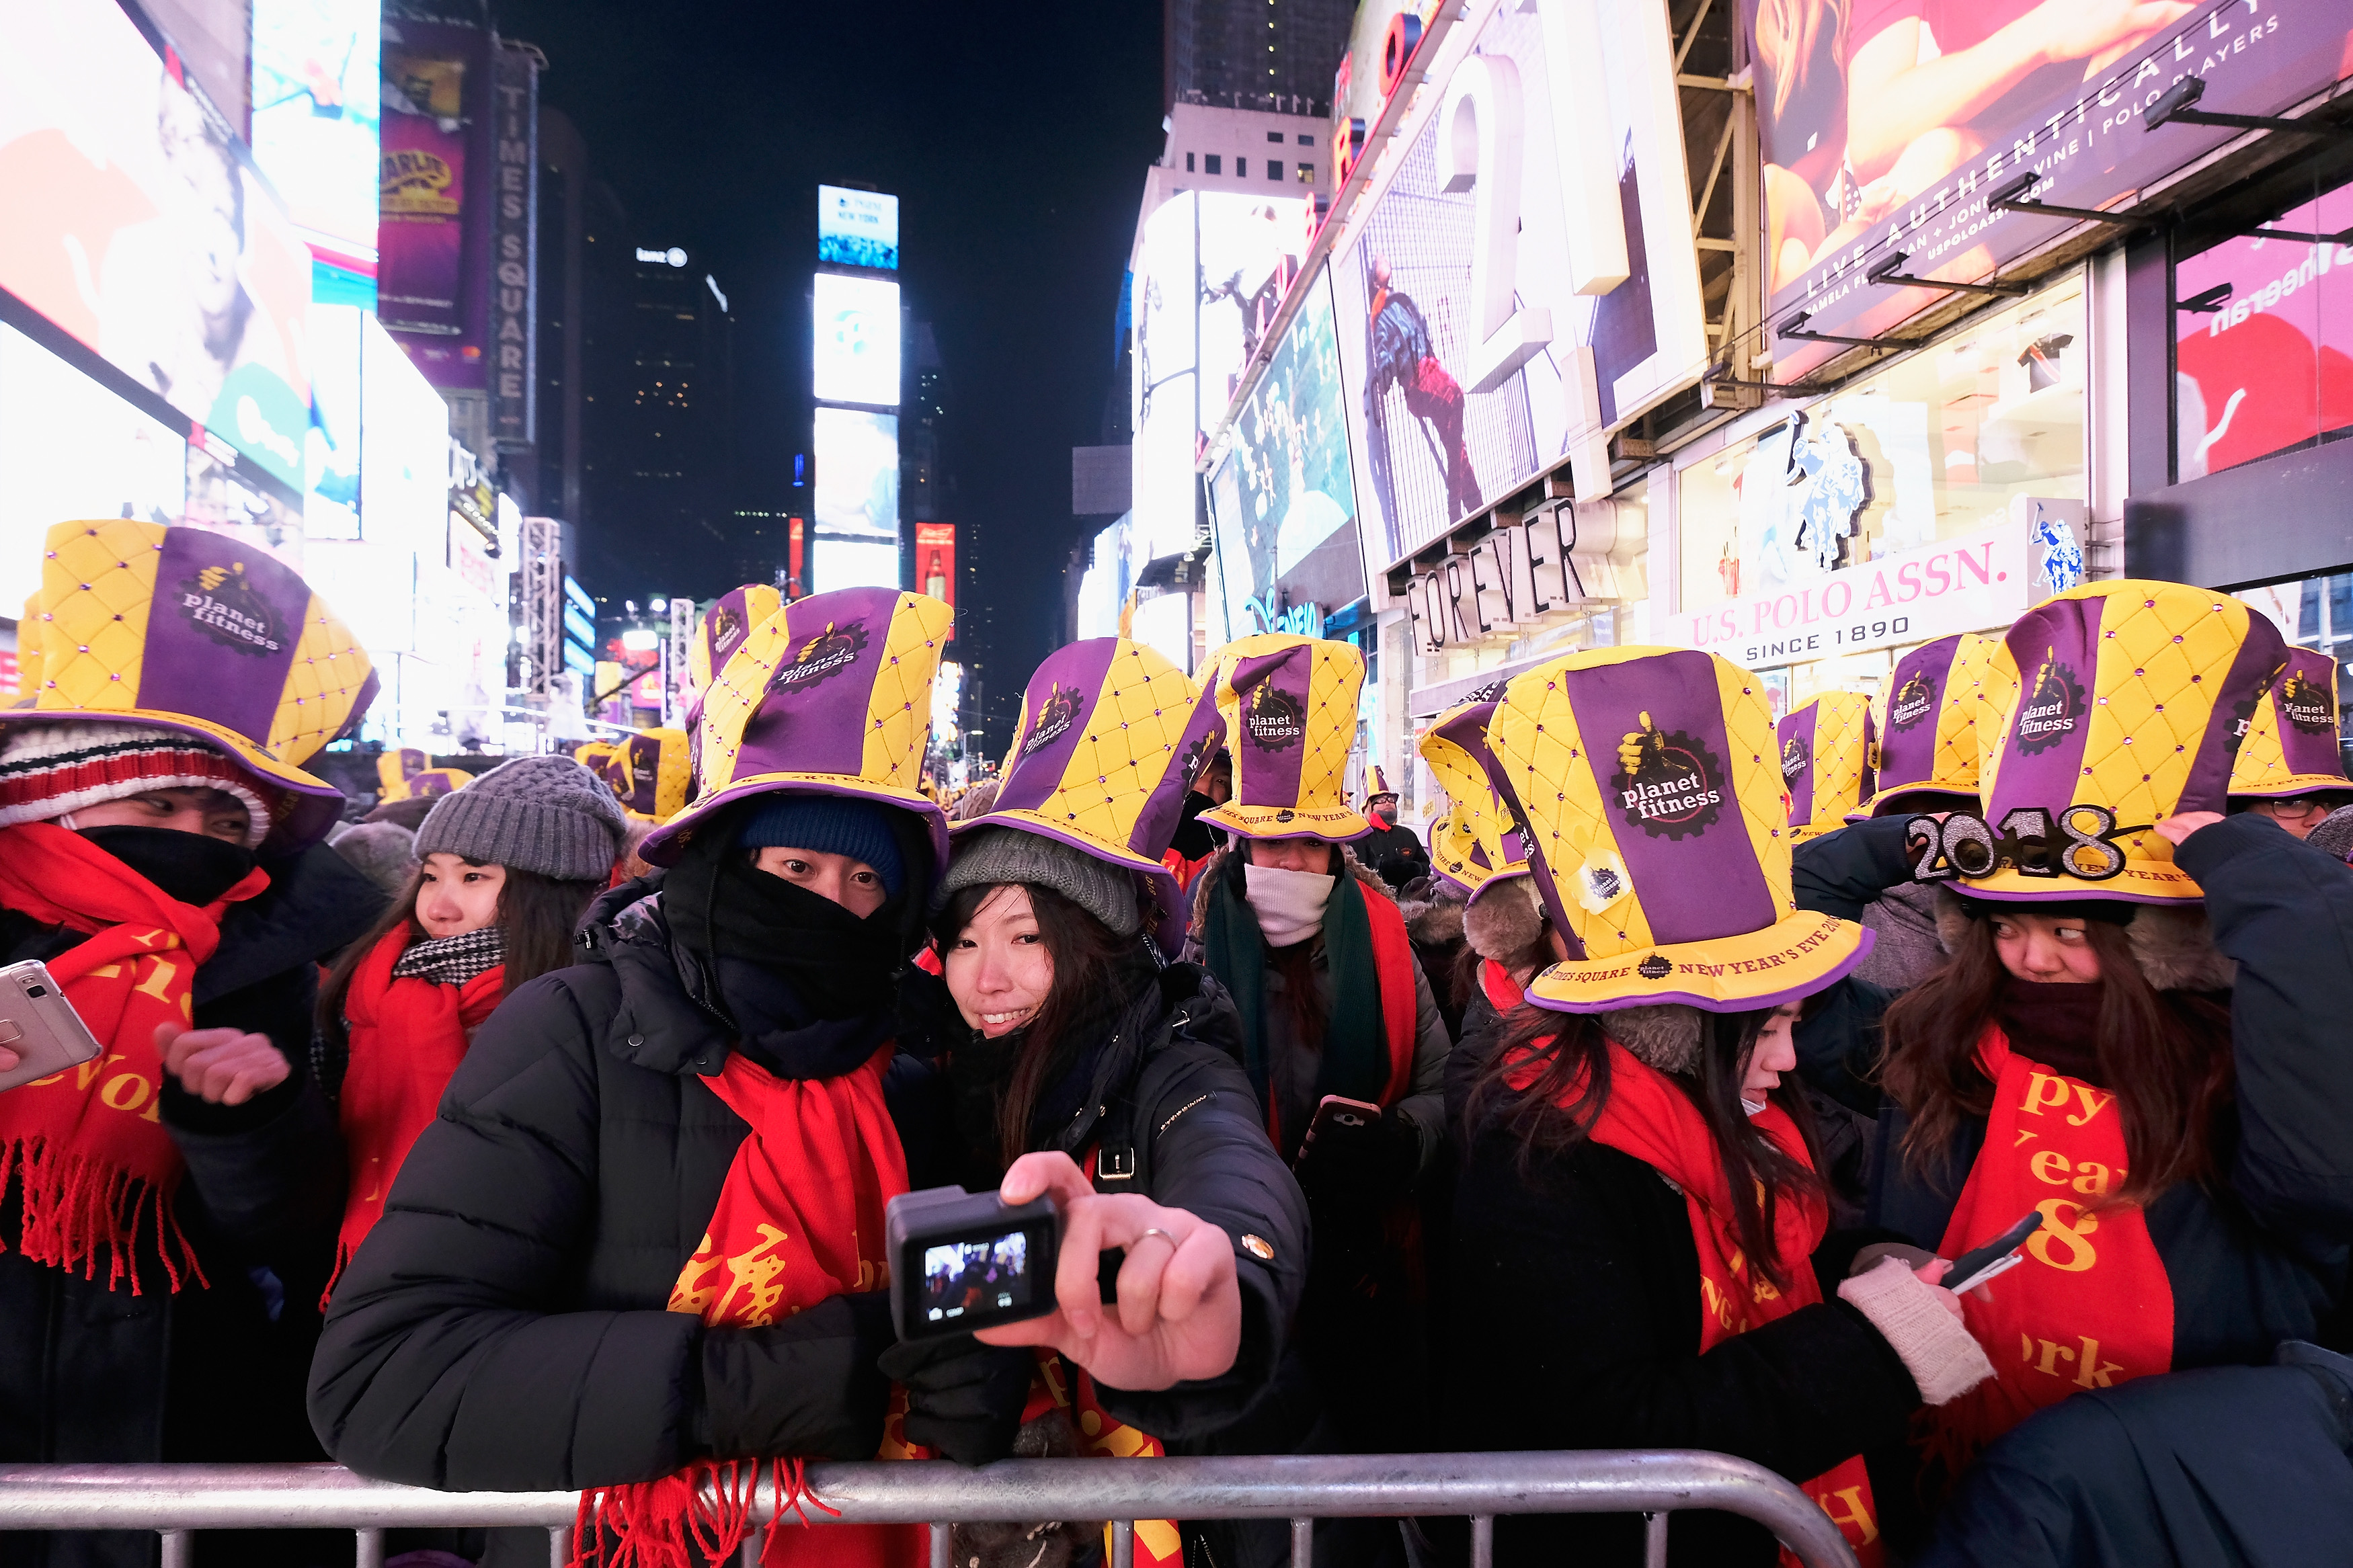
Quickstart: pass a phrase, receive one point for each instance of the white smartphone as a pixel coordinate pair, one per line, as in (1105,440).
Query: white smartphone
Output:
(40,1025)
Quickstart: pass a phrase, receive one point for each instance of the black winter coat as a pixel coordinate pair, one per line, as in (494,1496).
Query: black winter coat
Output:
(505,1326)
(2262,1262)
(90,1375)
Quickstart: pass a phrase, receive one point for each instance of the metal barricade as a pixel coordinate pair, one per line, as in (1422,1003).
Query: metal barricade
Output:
(175,1500)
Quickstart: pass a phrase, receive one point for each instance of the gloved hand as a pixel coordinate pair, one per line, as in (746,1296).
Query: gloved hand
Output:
(963,1398)
(1368,1166)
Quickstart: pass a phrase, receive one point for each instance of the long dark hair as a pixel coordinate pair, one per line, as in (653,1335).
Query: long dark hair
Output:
(2165,1054)
(536,918)
(1571,1053)
(1088,957)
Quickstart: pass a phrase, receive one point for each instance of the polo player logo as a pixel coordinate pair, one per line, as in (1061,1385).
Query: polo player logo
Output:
(1794,758)
(2053,706)
(2307,704)
(1914,701)
(823,657)
(1275,719)
(1056,714)
(1667,783)
(222,604)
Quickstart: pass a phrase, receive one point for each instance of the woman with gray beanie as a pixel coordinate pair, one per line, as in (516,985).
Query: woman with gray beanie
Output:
(504,870)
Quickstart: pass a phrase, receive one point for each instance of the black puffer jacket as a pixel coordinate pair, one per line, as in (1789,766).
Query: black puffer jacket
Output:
(504,1325)
(90,1375)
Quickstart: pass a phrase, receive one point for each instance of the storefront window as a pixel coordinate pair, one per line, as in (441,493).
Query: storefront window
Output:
(1942,445)
(2263,328)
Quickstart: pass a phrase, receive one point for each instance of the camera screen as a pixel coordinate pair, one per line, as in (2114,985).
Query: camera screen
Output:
(982,1276)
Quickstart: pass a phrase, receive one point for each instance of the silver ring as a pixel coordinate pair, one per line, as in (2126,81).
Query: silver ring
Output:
(1163,1234)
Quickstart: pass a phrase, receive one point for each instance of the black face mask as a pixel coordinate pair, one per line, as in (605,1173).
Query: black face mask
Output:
(189,866)
(838,966)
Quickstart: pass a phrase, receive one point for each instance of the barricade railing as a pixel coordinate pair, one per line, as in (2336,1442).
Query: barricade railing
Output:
(175,1499)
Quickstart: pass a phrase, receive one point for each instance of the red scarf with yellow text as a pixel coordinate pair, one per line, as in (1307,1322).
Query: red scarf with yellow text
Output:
(88,1145)
(799,1220)
(407,1037)
(1651,1119)
(2091,1305)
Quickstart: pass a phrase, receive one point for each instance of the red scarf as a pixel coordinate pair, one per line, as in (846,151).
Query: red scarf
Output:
(1503,993)
(1651,1119)
(407,1037)
(88,1144)
(799,1220)
(2091,1305)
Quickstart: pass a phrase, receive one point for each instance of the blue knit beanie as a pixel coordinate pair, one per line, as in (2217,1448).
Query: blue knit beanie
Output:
(836,824)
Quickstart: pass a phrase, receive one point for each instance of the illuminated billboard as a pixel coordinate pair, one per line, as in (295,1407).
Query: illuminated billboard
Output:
(936,561)
(1524,281)
(857,228)
(857,352)
(846,562)
(136,225)
(1284,502)
(316,92)
(72,449)
(855,532)
(403,451)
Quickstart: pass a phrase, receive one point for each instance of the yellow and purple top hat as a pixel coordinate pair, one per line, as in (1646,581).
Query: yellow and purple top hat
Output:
(1377,784)
(594,754)
(1650,786)
(1927,731)
(2130,700)
(1479,841)
(1826,762)
(1289,704)
(830,695)
(2291,747)
(1112,735)
(648,774)
(190,631)
(398,765)
(729,620)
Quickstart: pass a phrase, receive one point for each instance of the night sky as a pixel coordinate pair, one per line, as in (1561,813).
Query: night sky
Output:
(1017,137)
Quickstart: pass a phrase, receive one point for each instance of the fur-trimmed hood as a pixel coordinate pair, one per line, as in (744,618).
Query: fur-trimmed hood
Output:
(2173,944)
(1433,920)
(1504,921)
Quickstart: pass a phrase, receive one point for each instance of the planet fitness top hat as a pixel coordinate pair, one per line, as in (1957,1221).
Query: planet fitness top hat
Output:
(724,627)
(1112,735)
(1289,704)
(1479,842)
(194,632)
(1651,791)
(2131,700)
(1927,725)
(2291,746)
(648,774)
(831,695)
(1826,762)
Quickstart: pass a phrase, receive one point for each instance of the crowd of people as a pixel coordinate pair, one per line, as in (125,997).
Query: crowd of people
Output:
(534,1129)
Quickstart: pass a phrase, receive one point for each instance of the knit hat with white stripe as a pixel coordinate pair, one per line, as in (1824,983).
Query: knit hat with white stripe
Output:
(49,770)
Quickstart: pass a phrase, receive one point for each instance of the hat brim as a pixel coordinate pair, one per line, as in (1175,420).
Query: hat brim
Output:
(1339,824)
(312,805)
(1800,832)
(2143,880)
(2296,784)
(1167,894)
(1795,956)
(1886,801)
(663,846)
(1472,891)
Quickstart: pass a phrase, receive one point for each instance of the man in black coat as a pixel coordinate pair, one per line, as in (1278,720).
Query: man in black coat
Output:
(1392,853)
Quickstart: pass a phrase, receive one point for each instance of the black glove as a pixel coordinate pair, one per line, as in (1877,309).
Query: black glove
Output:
(807,1385)
(1363,1166)
(963,1398)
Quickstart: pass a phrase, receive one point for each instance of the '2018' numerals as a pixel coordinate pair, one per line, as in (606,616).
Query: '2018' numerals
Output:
(2077,841)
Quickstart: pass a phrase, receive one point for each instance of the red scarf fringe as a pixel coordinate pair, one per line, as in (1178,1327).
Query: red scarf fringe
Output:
(698,1518)
(76,1207)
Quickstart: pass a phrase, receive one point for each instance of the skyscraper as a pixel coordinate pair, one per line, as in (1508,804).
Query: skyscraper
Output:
(1253,54)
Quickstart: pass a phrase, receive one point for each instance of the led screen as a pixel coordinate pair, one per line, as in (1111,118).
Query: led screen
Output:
(72,449)
(316,92)
(936,561)
(331,467)
(848,562)
(136,224)
(857,358)
(857,476)
(857,228)
(403,451)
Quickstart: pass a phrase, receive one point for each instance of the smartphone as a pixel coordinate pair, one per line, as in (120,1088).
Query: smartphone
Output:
(1337,1116)
(40,1025)
(962,1260)
(1998,1257)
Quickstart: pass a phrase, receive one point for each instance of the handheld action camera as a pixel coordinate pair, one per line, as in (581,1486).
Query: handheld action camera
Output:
(961,1260)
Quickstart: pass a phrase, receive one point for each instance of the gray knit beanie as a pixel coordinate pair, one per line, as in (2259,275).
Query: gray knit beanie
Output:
(998,855)
(547,815)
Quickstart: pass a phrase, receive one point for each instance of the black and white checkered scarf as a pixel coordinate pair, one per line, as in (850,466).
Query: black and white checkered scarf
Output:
(451,960)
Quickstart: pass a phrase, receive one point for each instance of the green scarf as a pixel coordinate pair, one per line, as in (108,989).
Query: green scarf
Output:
(1356,1043)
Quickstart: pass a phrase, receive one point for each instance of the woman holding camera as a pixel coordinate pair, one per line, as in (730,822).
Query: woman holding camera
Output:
(2139,1035)
(1639,1214)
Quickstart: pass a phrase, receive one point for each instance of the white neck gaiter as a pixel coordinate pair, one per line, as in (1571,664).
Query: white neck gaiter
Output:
(1289,904)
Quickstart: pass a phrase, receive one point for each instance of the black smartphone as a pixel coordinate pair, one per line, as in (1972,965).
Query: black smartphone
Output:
(962,1260)
(1337,1116)
(2000,1256)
